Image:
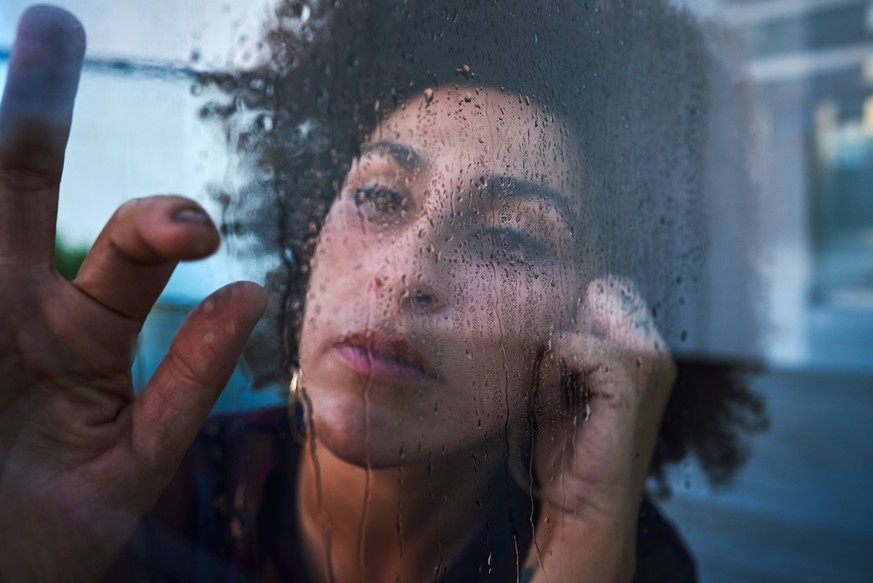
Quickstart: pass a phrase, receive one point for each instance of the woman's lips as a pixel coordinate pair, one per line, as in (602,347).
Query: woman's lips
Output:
(379,357)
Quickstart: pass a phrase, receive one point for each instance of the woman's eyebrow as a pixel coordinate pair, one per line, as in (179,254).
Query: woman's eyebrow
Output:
(516,188)
(404,155)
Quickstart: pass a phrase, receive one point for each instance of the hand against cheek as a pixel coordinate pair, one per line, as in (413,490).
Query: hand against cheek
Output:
(602,390)
(81,459)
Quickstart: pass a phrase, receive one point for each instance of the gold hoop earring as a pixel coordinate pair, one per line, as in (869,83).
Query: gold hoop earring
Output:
(297,406)
(295,388)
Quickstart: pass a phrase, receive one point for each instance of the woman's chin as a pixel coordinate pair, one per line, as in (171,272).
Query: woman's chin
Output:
(361,438)
(383,437)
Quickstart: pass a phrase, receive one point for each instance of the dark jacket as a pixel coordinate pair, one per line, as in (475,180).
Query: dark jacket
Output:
(228,517)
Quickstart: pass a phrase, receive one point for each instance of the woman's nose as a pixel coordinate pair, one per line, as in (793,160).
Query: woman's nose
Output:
(409,292)
(408,275)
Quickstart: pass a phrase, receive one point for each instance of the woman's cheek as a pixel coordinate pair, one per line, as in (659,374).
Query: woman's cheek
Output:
(531,304)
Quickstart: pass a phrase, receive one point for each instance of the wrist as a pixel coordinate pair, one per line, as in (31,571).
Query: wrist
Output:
(590,546)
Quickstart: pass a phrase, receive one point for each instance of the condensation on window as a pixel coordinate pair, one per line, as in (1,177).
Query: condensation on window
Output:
(530,265)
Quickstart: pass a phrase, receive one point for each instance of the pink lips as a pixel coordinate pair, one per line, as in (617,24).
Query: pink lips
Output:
(379,357)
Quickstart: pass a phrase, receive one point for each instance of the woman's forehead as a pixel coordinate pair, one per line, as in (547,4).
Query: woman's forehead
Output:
(463,132)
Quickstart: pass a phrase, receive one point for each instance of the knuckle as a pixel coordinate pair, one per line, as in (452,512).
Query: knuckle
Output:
(191,371)
(124,235)
(128,207)
(23,180)
(161,460)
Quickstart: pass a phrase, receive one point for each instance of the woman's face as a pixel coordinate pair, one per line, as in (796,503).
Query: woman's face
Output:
(448,260)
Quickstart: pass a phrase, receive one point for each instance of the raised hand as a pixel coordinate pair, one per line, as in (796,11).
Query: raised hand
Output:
(81,458)
(603,388)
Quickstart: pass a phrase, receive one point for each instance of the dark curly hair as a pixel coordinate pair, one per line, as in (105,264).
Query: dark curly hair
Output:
(633,79)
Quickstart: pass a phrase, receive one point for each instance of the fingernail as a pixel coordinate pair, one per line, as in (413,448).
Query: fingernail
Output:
(192,215)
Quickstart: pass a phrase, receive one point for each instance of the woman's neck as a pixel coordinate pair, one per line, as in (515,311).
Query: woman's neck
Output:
(397,524)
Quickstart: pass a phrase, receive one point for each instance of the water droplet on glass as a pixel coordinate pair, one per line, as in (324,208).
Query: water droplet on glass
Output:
(265,122)
(305,13)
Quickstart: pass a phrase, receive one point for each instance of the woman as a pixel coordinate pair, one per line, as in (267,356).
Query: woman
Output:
(470,326)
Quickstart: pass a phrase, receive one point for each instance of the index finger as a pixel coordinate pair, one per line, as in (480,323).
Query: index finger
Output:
(614,311)
(35,116)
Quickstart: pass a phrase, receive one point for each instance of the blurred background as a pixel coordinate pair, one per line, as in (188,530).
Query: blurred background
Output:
(800,509)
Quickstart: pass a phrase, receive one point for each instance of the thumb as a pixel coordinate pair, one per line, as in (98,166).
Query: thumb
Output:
(189,380)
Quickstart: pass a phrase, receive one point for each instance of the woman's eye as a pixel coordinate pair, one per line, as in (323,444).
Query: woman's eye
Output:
(513,245)
(383,200)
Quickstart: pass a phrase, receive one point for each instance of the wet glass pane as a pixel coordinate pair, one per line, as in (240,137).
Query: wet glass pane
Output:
(556,291)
